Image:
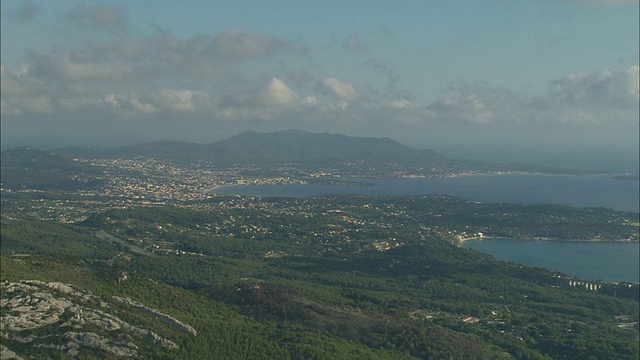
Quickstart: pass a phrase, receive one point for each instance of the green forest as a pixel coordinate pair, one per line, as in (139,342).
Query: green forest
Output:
(332,277)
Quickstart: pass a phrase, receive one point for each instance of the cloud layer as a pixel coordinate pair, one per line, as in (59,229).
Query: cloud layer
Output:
(129,85)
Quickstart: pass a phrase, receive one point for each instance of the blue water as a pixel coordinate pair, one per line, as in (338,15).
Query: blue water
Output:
(598,191)
(606,261)
(587,260)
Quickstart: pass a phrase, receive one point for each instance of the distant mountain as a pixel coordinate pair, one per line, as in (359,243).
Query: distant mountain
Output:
(301,146)
(27,167)
(279,147)
(32,158)
(302,149)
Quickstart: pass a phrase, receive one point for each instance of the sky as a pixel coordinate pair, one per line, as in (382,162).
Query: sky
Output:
(553,82)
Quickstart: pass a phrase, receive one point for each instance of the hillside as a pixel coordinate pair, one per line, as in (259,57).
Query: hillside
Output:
(139,259)
(301,146)
(32,168)
(36,159)
(335,277)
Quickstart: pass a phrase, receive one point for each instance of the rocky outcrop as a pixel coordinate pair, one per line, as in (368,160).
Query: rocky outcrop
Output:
(78,340)
(6,354)
(71,320)
(27,306)
(173,322)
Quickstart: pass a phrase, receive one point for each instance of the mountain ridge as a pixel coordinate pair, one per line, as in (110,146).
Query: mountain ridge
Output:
(297,145)
(279,147)
(340,153)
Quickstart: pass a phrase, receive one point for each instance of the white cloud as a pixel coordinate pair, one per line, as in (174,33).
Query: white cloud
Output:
(603,97)
(339,106)
(605,88)
(276,92)
(62,68)
(22,94)
(182,100)
(470,108)
(309,101)
(141,107)
(130,105)
(478,103)
(205,80)
(7,109)
(27,105)
(40,104)
(106,77)
(18,83)
(402,104)
(341,91)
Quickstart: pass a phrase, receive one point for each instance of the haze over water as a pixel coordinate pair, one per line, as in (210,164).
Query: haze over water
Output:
(594,191)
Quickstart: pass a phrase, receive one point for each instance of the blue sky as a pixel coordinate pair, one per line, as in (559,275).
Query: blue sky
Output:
(464,77)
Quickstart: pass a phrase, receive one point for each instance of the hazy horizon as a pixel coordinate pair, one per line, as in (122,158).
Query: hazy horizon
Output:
(600,159)
(548,82)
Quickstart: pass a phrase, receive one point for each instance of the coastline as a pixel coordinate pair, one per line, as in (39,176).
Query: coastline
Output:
(209,191)
(525,189)
(462,241)
(608,261)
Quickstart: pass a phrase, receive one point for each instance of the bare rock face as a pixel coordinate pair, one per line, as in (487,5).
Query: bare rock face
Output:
(7,354)
(173,322)
(33,310)
(73,321)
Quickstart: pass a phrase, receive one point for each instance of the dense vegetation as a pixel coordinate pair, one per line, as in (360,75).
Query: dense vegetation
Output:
(29,168)
(340,277)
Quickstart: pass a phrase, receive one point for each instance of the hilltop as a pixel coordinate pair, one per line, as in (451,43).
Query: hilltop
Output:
(355,156)
(280,147)
(302,146)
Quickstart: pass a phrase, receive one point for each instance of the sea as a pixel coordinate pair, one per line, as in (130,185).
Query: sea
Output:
(607,261)
(573,190)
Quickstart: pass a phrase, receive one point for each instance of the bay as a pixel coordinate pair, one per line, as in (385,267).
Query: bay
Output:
(572,190)
(607,261)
